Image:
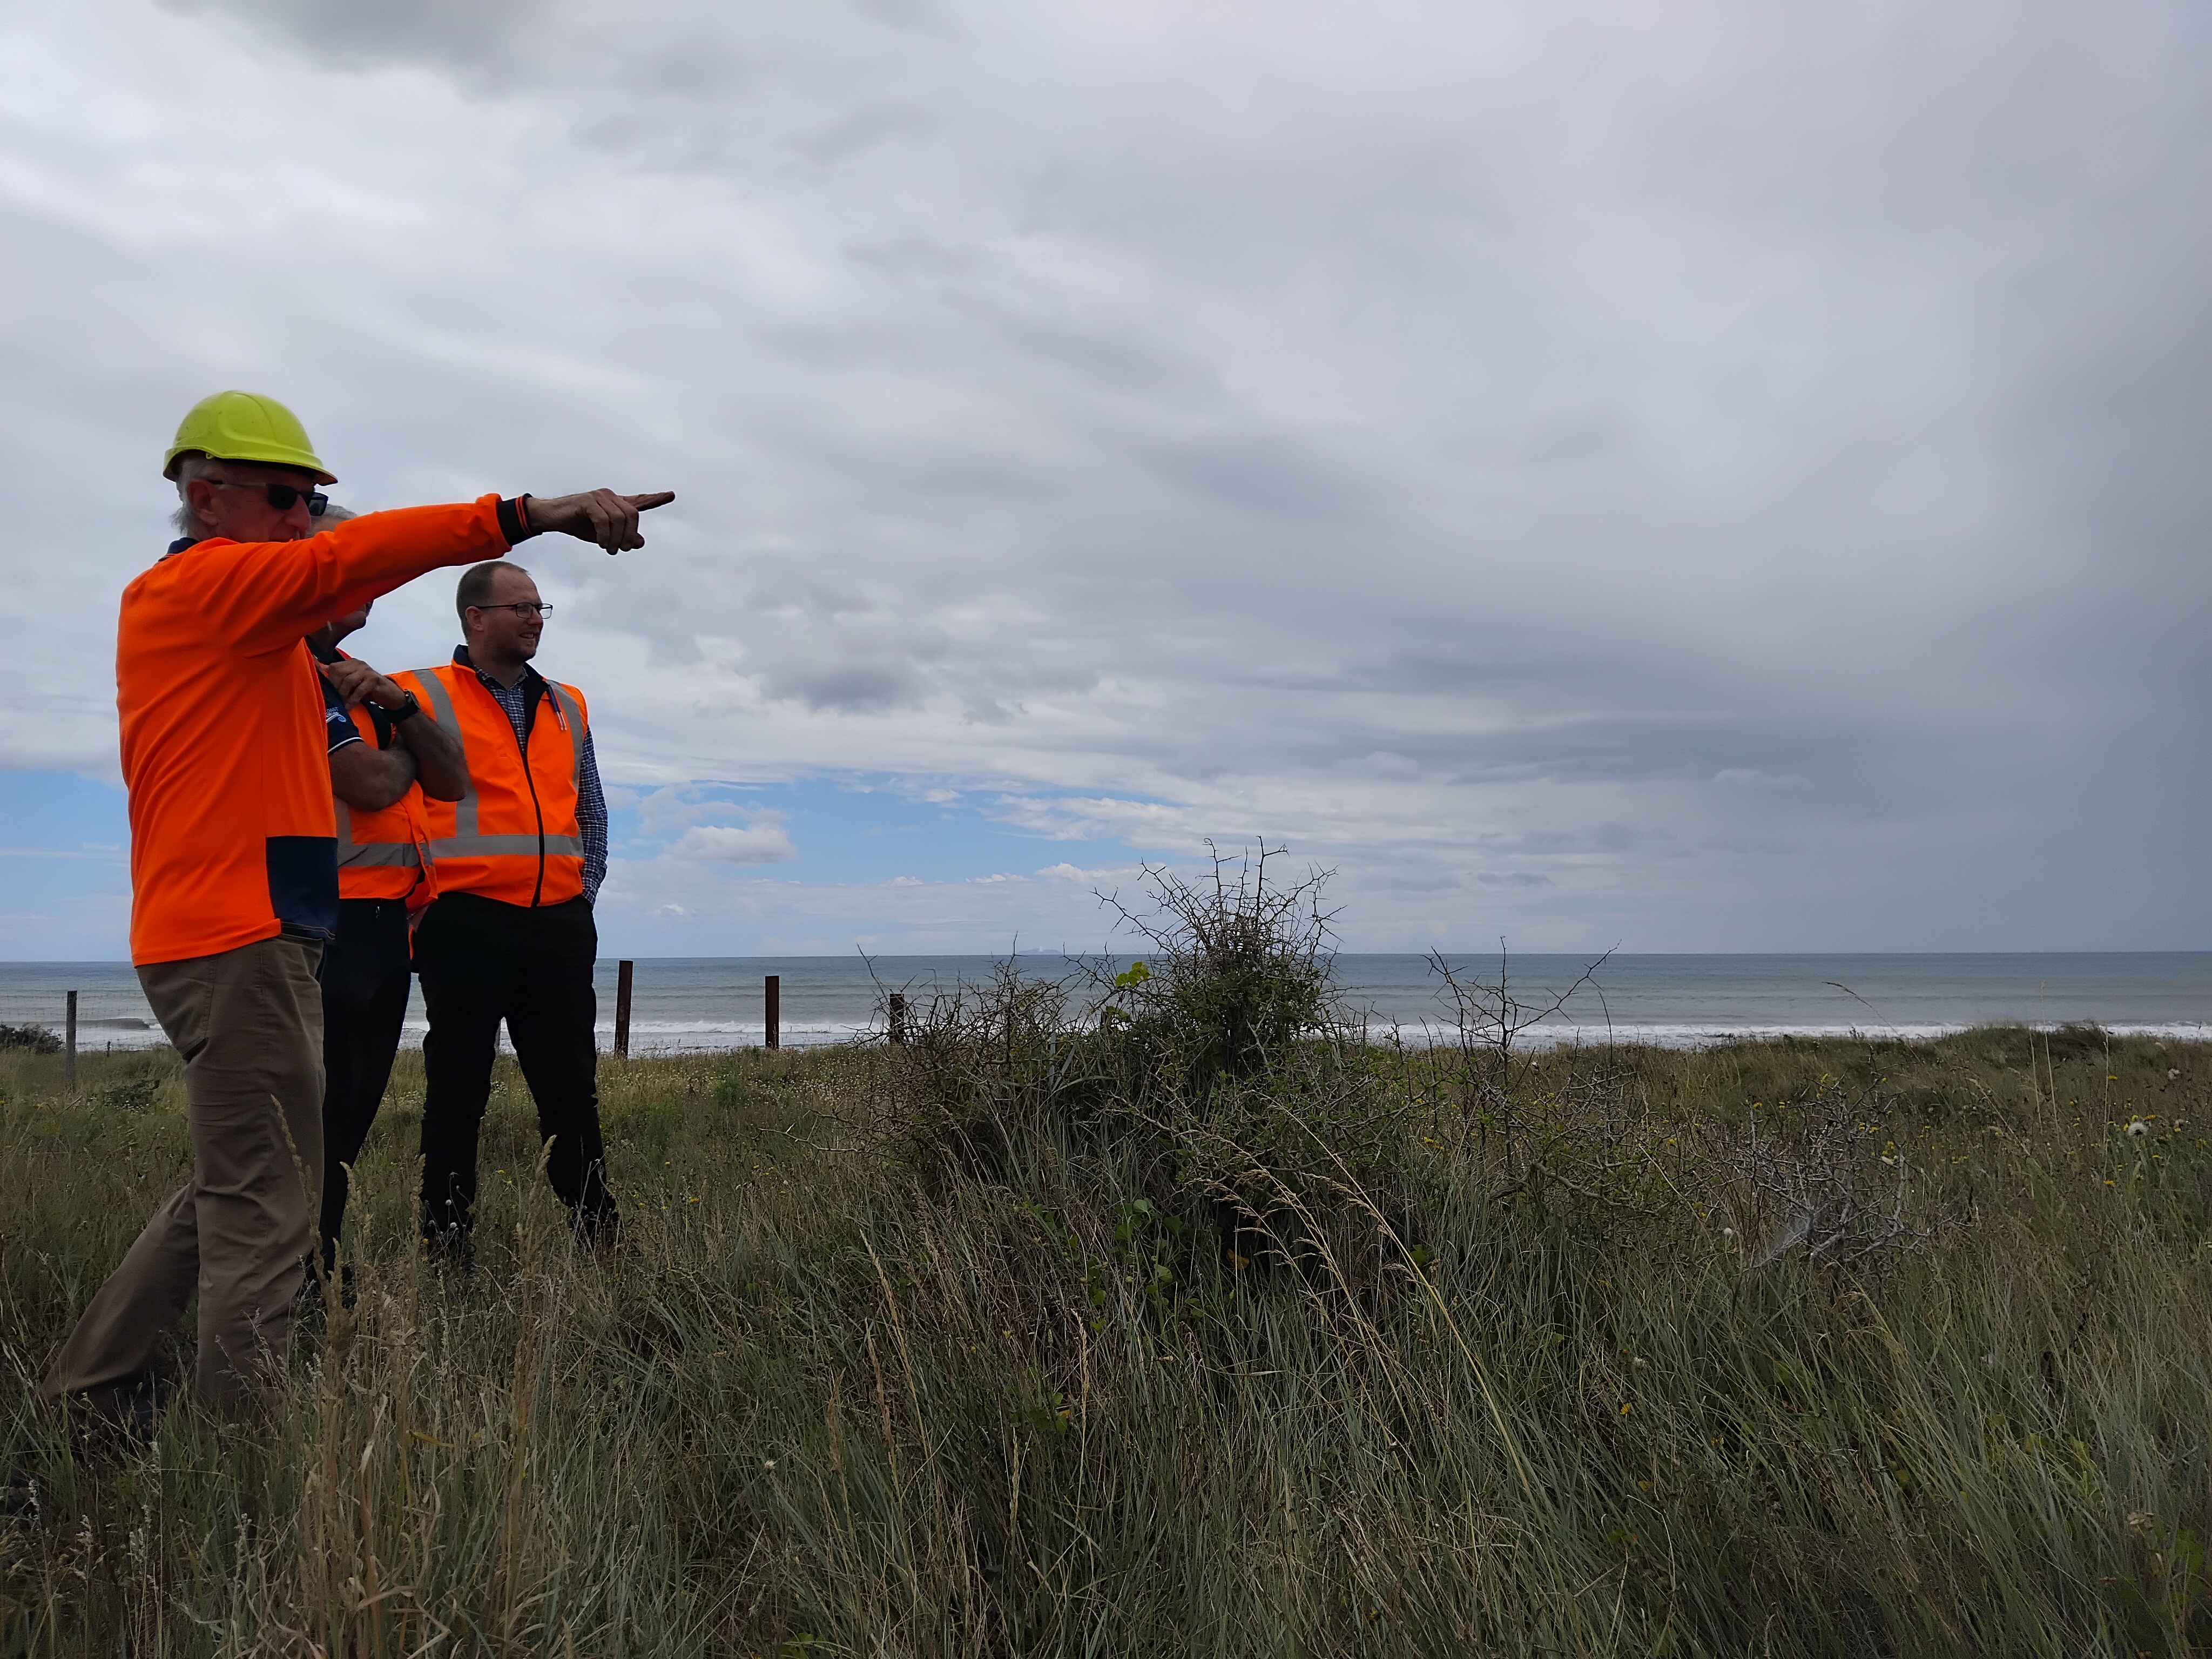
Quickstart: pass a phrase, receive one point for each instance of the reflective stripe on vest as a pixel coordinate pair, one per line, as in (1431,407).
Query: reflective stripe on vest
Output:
(379,852)
(513,861)
(442,710)
(372,854)
(462,846)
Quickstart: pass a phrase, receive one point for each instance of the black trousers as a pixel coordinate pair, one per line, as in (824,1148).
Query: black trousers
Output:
(364,980)
(482,962)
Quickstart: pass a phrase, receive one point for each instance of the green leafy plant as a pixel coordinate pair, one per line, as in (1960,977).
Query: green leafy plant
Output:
(33,1039)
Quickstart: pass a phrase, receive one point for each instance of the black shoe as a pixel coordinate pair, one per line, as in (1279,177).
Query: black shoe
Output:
(20,1498)
(117,1421)
(599,1232)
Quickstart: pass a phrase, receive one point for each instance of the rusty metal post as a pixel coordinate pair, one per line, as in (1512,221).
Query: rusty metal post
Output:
(774,1011)
(898,1017)
(623,970)
(69,1044)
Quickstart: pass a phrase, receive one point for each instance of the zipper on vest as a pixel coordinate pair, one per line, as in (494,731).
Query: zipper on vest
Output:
(522,742)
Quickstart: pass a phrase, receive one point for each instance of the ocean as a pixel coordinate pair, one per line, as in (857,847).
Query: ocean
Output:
(707,1003)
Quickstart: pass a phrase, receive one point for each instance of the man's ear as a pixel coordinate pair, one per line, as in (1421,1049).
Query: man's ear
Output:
(199,499)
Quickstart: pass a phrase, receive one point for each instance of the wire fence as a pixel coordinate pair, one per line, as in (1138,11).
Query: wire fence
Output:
(97,1004)
(97,1007)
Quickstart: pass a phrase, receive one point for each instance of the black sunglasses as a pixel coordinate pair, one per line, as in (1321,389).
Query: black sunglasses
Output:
(281,495)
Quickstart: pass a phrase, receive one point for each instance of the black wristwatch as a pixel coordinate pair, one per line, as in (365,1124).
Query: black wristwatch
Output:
(406,711)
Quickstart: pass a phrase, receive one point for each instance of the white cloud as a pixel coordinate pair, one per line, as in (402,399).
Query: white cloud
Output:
(673,808)
(1066,819)
(725,844)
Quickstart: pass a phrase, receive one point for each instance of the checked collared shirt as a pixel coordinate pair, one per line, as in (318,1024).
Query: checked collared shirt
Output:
(591,799)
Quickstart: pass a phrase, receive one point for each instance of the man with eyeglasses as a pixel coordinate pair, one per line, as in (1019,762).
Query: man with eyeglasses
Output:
(517,862)
(233,873)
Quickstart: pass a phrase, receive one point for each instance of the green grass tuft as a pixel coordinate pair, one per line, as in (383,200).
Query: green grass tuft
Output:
(1039,1369)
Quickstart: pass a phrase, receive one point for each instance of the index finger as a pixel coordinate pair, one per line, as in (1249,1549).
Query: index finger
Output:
(647,503)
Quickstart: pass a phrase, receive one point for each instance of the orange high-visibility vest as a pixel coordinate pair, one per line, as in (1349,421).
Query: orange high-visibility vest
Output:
(380,852)
(513,836)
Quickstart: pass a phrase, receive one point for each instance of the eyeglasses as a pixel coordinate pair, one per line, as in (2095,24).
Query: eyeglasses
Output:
(523,608)
(281,495)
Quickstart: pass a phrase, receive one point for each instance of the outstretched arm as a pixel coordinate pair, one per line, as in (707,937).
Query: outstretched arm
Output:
(264,595)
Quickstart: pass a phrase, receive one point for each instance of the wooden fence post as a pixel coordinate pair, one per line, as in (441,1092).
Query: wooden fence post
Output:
(774,1011)
(623,970)
(898,1017)
(69,1044)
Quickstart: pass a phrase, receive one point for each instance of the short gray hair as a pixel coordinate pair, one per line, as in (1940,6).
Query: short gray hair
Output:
(193,463)
(196,464)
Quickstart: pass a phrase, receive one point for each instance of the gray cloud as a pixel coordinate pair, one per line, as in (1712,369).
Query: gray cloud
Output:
(1435,436)
(468,40)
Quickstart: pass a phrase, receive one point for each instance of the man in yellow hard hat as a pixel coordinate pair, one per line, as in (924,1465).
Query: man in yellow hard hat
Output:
(234,869)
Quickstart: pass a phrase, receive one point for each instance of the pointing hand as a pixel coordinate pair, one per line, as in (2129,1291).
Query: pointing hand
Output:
(596,515)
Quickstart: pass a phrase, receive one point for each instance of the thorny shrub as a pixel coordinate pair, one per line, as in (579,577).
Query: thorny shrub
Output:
(1217,1073)
(1219,1082)
(1810,1178)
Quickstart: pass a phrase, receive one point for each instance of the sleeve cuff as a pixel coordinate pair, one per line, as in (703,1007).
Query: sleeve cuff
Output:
(514,519)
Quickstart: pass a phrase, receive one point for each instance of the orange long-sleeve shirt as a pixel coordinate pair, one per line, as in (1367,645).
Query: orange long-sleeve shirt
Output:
(232,831)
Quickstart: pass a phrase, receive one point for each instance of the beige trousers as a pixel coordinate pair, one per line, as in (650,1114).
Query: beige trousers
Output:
(249,1024)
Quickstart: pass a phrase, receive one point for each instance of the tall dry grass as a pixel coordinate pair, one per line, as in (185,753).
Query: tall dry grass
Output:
(1012,1347)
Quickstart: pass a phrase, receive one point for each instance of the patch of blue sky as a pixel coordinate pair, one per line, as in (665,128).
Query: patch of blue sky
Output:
(63,813)
(65,878)
(856,828)
(65,872)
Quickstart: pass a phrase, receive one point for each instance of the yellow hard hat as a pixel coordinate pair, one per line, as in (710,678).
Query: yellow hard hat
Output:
(238,426)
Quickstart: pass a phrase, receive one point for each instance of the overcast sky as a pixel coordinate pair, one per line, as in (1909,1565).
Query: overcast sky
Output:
(1733,476)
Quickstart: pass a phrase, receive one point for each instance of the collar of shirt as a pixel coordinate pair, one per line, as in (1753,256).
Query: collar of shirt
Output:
(520,700)
(461,656)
